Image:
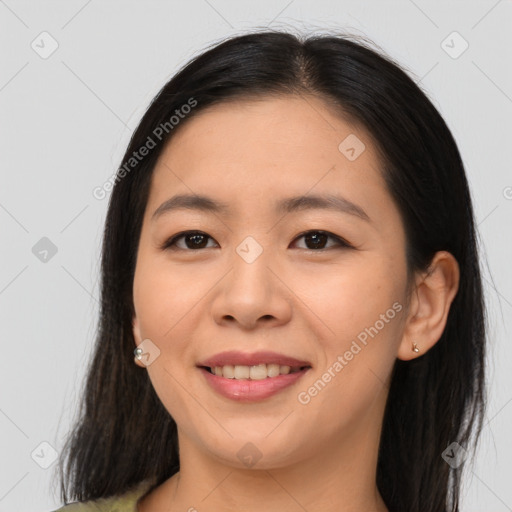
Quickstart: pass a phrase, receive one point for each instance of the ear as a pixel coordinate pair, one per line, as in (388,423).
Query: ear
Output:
(429,305)
(138,339)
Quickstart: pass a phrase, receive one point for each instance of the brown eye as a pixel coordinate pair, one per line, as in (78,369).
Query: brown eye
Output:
(193,240)
(316,240)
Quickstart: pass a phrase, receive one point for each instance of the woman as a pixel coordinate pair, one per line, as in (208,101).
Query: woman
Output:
(290,250)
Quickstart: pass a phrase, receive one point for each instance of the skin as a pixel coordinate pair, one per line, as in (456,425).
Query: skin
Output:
(194,303)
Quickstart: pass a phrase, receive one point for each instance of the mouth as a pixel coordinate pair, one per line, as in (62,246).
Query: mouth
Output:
(254,372)
(241,388)
(253,377)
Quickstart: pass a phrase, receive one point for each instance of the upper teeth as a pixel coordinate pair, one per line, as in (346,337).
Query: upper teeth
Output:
(257,372)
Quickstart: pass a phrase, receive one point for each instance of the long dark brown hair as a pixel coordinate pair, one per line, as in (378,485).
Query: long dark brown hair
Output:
(123,433)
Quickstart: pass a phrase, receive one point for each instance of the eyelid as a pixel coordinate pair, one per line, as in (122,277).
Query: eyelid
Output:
(341,242)
(169,243)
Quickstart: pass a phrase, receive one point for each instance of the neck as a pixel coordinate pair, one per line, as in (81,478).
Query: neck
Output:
(341,478)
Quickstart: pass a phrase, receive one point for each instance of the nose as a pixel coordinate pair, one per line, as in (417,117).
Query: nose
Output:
(252,293)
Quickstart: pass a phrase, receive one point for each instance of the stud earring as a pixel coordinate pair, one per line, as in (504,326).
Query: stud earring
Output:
(415,347)
(138,353)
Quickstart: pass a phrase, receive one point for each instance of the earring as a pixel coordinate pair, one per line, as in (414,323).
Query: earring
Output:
(138,353)
(415,347)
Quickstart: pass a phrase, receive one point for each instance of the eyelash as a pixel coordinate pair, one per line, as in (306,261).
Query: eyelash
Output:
(170,243)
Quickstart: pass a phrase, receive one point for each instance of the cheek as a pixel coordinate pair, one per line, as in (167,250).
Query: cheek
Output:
(355,296)
(366,317)
(164,306)
(363,309)
(163,299)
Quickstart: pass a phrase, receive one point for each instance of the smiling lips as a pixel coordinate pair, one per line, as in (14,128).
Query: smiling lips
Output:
(236,358)
(251,377)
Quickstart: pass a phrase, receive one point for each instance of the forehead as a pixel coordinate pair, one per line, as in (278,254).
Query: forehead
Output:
(289,126)
(250,150)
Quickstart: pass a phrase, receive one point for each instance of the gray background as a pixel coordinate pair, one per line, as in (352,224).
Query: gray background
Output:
(65,122)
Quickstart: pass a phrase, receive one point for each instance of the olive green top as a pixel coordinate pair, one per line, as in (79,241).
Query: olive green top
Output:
(126,502)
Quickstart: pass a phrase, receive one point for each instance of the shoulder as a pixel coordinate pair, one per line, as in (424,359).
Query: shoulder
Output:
(91,506)
(126,502)
(117,504)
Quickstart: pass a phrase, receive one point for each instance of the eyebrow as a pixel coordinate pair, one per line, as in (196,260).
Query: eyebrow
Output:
(288,205)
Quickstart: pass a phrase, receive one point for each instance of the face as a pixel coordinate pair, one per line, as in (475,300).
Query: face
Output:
(323,283)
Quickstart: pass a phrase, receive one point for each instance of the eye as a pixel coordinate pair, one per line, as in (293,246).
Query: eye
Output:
(317,240)
(195,240)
